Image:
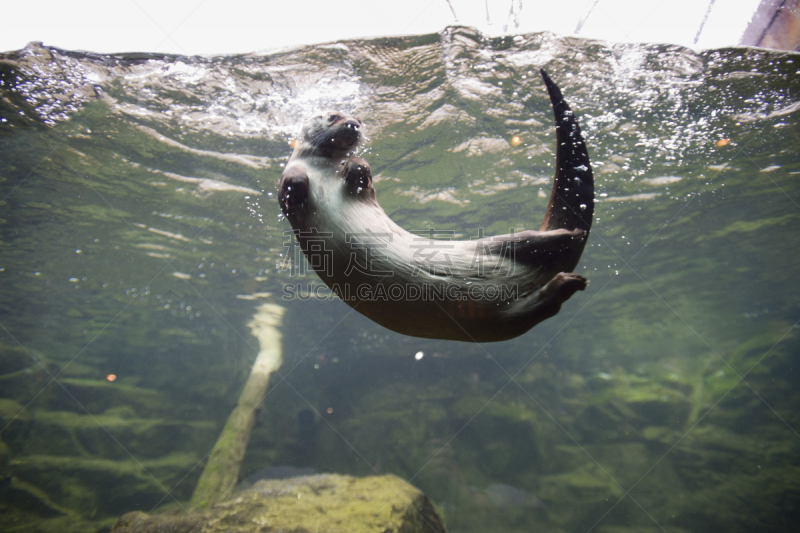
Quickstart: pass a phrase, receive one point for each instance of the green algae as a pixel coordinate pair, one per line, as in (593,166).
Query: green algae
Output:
(749,226)
(70,434)
(329,502)
(93,486)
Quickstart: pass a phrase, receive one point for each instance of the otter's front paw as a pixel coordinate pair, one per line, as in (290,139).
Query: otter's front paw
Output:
(357,175)
(293,191)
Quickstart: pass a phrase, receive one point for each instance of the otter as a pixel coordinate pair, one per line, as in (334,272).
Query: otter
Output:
(483,290)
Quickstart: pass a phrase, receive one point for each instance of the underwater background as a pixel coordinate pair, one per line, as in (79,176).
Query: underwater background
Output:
(141,230)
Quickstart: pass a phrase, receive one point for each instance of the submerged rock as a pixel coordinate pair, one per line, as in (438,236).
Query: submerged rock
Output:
(93,486)
(507,497)
(326,502)
(274,472)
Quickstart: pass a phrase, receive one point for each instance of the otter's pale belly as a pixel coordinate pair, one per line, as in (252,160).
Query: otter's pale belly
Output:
(413,284)
(477,291)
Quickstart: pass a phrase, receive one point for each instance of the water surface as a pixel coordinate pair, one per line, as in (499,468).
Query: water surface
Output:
(140,230)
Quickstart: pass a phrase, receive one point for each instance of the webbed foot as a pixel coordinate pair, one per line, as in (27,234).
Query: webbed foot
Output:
(357,175)
(563,286)
(293,191)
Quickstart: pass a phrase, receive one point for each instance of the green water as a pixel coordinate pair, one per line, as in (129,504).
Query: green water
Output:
(140,227)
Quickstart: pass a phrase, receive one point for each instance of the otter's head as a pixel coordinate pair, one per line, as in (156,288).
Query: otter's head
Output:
(331,134)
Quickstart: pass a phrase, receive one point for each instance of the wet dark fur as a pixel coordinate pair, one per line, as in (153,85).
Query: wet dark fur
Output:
(327,195)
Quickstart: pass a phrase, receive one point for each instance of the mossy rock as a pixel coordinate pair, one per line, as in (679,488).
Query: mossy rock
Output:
(26,384)
(637,529)
(657,405)
(586,485)
(13,359)
(22,498)
(575,499)
(765,499)
(97,396)
(15,423)
(329,502)
(97,487)
(26,509)
(627,408)
(64,433)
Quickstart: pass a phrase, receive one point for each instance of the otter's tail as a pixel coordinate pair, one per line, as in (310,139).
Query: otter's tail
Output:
(572,200)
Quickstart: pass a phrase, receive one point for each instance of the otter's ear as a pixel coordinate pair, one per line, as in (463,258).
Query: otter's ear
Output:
(357,176)
(293,191)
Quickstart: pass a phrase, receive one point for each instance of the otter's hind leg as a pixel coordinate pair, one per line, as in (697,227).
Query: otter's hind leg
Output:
(547,301)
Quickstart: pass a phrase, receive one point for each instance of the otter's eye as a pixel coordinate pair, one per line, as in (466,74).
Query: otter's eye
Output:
(333,118)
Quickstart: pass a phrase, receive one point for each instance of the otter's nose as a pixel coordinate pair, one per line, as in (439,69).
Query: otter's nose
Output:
(353,124)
